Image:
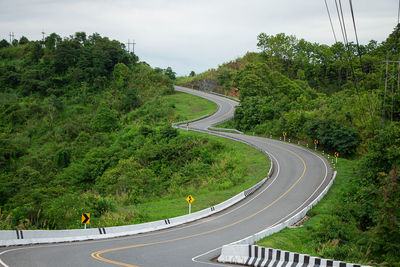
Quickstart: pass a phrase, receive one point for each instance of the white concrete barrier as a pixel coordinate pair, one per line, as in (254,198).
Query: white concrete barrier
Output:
(25,237)
(244,252)
(260,256)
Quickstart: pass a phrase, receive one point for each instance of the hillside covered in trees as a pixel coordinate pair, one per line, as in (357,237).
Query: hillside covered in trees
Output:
(84,127)
(335,94)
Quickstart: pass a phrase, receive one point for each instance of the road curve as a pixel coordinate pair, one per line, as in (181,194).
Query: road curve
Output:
(299,176)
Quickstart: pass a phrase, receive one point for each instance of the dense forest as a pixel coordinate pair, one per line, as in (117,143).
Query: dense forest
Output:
(84,128)
(335,94)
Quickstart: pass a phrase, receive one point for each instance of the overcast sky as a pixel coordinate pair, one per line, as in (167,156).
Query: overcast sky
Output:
(194,34)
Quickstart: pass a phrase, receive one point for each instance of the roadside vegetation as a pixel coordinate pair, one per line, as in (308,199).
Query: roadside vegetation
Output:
(187,106)
(85,127)
(337,96)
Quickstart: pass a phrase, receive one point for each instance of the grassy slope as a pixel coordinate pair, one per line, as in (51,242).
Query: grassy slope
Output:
(256,165)
(190,106)
(301,239)
(227,124)
(253,160)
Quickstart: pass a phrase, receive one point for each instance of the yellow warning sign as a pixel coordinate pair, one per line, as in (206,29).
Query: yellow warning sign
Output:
(85,218)
(190,199)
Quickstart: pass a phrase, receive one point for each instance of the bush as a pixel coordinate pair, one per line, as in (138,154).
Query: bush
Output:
(106,119)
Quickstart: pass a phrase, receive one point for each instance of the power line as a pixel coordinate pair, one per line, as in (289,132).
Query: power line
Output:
(340,21)
(344,24)
(330,20)
(339,11)
(355,32)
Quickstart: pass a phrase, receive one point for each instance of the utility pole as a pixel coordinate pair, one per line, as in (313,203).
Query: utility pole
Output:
(386,82)
(11,37)
(43,33)
(133,46)
(391,75)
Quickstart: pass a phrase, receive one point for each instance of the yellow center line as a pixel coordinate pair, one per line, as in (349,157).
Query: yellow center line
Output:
(97,254)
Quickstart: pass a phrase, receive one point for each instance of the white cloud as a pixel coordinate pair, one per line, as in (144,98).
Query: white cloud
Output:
(190,34)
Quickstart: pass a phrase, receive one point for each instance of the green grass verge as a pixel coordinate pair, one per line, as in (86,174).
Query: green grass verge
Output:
(184,79)
(189,106)
(303,239)
(230,124)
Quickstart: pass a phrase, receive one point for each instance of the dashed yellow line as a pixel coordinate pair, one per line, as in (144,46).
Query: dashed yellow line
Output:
(97,254)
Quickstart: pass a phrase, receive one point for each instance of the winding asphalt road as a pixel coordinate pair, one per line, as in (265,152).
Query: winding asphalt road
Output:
(299,176)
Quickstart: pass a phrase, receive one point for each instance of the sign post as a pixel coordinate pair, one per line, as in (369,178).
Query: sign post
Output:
(187,126)
(284,136)
(190,200)
(85,219)
(315,143)
(336,156)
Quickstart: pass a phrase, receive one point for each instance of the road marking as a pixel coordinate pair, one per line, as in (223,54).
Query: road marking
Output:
(97,254)
(194,259)
(228,114)
(323,181)
(2,263)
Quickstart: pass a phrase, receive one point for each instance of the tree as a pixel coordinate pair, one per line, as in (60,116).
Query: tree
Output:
(387,230)
(192,74)
(224,77)
(80,37)
(36,51)
(23,40)
(170,73)
(379,192)
(52,41)
(121,75)
(66,55)
(106,119)
(4,43)
(63,157)
(131,100)
(280,46)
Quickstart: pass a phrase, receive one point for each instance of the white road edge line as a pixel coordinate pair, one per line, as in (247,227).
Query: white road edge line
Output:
(284,218)
(194,259)
(315,191)
(3,264)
